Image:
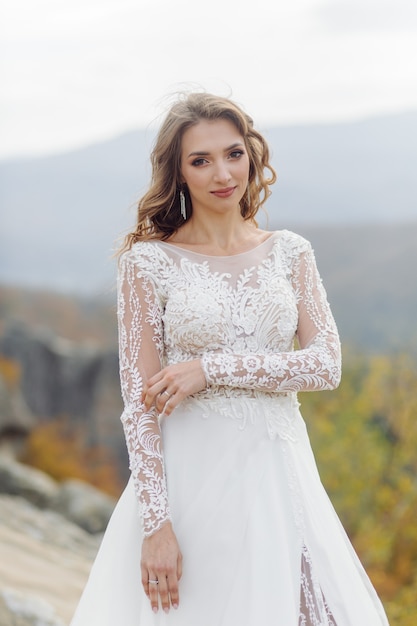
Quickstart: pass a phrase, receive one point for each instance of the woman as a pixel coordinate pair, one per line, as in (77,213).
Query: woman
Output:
(236,529)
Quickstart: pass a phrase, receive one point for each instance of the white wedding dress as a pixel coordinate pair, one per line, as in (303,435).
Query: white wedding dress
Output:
(231,466)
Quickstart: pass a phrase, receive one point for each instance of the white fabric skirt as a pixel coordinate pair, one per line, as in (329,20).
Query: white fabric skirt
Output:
(261,542)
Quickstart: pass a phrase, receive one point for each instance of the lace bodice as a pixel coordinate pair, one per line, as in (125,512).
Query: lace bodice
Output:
(239,314)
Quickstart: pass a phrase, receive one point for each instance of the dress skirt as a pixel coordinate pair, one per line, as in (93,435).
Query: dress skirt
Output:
(261,542)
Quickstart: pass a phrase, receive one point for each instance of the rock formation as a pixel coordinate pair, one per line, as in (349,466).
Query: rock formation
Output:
(45,556)
(59,378)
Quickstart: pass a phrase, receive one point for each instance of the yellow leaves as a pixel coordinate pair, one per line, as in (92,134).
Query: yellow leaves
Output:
(364,436)
(59,449)
(10,372)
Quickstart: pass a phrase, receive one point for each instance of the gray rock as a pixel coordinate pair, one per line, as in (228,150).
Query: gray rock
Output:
(16,420)
(44,564)
(78,501)
(18,609)
(28,482)
(48,528)
(59,376)
(14,413)
(74,381)
(84,504)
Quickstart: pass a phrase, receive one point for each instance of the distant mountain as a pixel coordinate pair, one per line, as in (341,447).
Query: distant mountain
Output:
(60,215)
(347,173)
(369,274)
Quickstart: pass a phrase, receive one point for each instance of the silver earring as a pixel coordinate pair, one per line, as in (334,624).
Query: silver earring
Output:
(182,205)
(248,196)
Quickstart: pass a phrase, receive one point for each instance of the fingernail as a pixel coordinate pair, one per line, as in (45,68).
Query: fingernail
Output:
(166,609)
(175,606)
(155,609)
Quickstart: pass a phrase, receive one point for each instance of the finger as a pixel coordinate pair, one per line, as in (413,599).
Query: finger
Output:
(153,593)
(173,590)
(179,566)
(164,593)
(152,380)
(162,400)
(145,580)
(172,403)
(152,392)
(167,409)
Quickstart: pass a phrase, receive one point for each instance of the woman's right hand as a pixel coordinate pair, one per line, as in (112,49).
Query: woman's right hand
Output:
(161,561)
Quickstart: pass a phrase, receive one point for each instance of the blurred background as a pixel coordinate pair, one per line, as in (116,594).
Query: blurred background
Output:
(332,84)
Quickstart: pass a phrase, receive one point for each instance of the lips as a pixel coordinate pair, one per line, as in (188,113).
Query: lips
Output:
(223,193)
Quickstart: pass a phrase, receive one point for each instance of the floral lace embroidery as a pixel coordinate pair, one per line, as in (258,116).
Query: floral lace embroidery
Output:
(315,367)
(175,306)
(313,607)
(139,320)
(279,412)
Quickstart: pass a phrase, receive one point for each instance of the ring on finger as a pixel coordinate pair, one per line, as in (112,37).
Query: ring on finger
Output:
(153,582)
(166,393)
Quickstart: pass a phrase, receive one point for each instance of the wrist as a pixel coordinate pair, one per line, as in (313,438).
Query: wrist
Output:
(204,364)
(163,532)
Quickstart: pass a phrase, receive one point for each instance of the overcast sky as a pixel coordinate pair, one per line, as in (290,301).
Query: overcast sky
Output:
(76,71)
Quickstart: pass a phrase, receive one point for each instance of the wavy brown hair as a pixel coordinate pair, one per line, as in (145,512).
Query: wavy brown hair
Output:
(158,214)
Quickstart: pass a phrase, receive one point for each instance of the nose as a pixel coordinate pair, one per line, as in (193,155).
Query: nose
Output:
(221,173)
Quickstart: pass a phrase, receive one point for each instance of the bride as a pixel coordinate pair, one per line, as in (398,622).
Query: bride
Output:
(224,521)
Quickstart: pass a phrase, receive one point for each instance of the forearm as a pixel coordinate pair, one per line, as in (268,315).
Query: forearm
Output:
(316,367)
(146,462)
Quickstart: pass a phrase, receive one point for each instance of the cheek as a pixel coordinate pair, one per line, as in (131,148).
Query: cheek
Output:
(244,169)
(195,178)
(244,164)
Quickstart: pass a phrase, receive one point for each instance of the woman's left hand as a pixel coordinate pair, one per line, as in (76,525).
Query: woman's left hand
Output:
(171,385)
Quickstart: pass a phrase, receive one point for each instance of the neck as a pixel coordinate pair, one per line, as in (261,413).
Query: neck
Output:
(220,232)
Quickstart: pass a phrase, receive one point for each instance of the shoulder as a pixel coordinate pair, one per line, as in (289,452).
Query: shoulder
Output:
(143,254)
(292,244)
(145,260)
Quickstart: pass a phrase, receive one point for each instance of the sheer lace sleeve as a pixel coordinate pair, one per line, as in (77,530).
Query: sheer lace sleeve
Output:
(140,350)
(316,365)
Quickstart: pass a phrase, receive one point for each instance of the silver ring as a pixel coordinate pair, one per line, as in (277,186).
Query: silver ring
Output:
(153,582)
(168,394)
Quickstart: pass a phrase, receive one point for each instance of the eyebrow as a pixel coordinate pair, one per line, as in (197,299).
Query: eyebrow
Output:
(202,153)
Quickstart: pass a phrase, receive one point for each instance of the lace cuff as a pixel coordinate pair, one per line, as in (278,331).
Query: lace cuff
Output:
(314,368)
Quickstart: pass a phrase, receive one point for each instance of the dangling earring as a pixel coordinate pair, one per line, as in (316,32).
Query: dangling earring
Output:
(182,205)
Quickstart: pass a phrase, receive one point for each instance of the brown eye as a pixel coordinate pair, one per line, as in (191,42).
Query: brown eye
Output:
(198,162)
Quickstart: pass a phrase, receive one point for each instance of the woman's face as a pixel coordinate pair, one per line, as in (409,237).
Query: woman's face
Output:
(214,165)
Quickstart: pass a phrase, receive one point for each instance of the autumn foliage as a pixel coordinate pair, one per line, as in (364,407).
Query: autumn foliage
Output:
(365,439)
(10,373)
(59,449)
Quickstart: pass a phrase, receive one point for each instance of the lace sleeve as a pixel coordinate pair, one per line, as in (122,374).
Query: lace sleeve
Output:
(140,350)
(316,365)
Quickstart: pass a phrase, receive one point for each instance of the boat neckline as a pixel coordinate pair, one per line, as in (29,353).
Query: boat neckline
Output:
(220,256)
